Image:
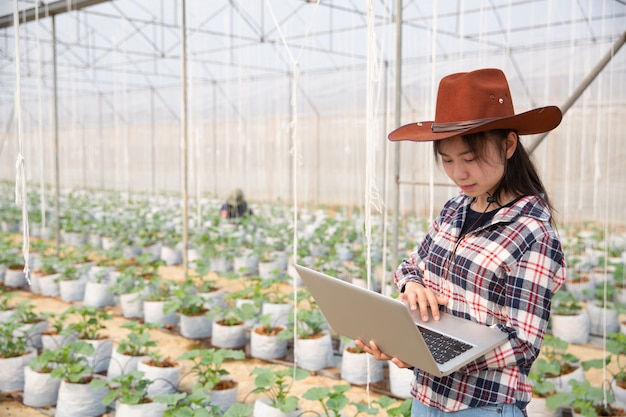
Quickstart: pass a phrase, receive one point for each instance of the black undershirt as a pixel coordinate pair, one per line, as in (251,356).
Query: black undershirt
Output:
(476,219)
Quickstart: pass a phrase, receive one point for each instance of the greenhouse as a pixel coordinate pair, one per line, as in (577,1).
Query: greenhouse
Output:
(166,165)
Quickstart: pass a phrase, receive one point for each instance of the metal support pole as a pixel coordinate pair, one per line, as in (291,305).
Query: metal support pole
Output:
(584,84)
(101,140)
(214,140)
(183,143)
(152,144)
(398,120)
(55,121)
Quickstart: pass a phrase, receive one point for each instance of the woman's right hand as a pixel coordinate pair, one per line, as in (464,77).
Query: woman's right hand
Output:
(418,296)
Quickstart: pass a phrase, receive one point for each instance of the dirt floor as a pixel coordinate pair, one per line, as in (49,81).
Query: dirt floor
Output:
(170,343)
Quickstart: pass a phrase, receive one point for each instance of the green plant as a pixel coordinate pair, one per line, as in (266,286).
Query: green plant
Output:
(5,296)
(49,265)
(100,275)
(616,345)
(72,364)
(198,404)
(25,313)
(309,318)
(311,323)
(566,304)
(185,301)
(207,364)
(334,400)
(137,342)
(160,361)
(130,280)
(89,322)
(13,259)
(541,386)
(57,322)
(69,270)
(351,346)
(128,388)
(170,236)
(604,297)
(584,399)
(109,257)
(44,363)
(13,343)
(401,410)
(137,274)
(273,290)
(233,315)
(72,262)
(160,290)
(200,278)
(266,327)
(253,289)
(194,404)
(275,384)
(8,248)
(555,361)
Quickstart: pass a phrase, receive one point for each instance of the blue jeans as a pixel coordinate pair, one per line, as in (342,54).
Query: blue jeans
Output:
(504,410)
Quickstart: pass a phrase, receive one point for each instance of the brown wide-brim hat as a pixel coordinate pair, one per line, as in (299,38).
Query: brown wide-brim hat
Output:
(477,101)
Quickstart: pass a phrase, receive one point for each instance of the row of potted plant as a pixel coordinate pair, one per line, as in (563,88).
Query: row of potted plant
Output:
(146,224)
(317,233)
(88,324)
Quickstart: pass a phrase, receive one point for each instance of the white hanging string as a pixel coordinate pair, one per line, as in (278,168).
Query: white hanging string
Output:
(584,154)
(372,196)
(20,171)
(584,144)
(42,188)
(597,167)
(386,281)
(546,76)
(294,151)
(195,156)
(607,187)
(481,35)
(240,146)
(433,94)
(567,174)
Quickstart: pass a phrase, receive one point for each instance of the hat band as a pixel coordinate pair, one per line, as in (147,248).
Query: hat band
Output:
(464,125)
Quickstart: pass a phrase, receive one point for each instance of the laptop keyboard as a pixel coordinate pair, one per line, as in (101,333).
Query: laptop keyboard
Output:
(443,347)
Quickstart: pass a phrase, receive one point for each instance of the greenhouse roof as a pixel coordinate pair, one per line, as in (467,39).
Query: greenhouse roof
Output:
(129,45)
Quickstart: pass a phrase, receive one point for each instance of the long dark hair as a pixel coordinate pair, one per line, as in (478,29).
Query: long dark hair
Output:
(520,175)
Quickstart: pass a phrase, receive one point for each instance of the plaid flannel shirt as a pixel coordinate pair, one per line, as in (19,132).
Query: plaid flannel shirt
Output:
(502,274)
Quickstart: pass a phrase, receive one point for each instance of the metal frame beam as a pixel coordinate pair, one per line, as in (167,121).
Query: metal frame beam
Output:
(47,10)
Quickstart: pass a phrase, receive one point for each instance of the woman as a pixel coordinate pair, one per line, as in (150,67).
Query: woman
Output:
(492,255)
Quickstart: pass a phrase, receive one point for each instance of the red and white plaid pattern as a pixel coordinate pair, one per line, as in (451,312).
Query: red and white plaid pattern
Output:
(502,274)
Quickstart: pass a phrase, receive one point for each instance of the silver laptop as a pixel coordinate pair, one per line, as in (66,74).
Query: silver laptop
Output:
(358,313)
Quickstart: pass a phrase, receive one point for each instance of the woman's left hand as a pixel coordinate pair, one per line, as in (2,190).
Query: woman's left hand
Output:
(373,350)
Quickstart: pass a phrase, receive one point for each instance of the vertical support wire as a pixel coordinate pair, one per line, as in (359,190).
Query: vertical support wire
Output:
(42,187)
(183,139)
(433,93)
(20,171)
(295,155)
(373,75)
